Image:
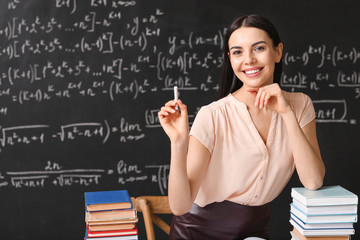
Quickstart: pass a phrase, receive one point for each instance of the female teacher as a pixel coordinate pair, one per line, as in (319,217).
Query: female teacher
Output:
(242,149)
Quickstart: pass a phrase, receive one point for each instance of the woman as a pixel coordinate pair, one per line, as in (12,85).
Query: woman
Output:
(243,148)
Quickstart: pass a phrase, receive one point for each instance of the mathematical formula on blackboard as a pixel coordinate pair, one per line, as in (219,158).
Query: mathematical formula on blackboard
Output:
(85,55)
(55,175)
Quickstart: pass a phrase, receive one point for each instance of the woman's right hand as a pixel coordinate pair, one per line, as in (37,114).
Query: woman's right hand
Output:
(174,122)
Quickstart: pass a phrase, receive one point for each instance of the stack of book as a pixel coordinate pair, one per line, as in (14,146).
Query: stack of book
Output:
(110,215)
(327,213)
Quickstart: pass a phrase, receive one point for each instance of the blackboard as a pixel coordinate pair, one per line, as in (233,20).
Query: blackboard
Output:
(81,83)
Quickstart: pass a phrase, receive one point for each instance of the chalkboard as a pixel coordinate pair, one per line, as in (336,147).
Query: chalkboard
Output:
(81,83)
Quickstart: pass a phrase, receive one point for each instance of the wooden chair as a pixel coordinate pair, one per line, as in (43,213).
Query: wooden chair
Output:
(150,206)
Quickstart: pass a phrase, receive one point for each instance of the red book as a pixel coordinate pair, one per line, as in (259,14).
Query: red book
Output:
(126,232)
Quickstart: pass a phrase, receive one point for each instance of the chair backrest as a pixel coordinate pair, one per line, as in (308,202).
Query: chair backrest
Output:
(150,206)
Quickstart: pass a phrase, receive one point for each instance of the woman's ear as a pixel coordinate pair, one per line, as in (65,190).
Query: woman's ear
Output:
(278,52)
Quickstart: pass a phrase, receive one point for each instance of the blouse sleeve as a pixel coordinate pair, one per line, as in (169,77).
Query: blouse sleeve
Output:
(305,110)
(203,128)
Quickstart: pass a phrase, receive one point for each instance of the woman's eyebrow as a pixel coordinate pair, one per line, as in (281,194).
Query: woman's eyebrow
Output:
(259,42)
(252,45)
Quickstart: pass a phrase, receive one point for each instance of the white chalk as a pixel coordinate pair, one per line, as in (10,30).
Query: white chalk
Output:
(176,96)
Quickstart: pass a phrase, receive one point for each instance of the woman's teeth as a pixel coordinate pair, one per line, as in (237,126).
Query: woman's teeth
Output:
(252,71)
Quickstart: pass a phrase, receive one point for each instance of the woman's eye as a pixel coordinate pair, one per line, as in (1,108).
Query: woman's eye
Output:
(237,52)
(259,48)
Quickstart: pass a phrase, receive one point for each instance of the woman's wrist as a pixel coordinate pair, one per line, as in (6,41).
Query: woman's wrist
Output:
(180,144)
(288,114)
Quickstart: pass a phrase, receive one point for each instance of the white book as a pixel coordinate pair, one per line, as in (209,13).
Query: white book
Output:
(340,218)
(322,232)
(333,209)
(320,225)
(295,236)
(325,196)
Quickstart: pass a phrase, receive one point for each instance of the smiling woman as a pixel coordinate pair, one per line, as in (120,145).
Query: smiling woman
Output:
(252,59)
(224,176)
(229,82)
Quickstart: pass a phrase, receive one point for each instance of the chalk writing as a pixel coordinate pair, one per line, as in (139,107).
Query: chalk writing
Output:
(40,134)
(56,175)
(330,110)
(161,177)
(97,72)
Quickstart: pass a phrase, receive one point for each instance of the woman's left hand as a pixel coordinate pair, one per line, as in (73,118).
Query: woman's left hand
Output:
(271,96)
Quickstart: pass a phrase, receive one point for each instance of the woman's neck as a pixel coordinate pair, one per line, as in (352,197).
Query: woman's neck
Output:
(245,96)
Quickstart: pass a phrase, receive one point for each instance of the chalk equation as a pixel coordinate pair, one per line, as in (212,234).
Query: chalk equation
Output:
(322,54)
(94,131)
(56,175)
(334,111)
(108,51)
(121,60)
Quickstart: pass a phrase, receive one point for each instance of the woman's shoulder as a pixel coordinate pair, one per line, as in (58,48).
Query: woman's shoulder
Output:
(300,102)
(297,97)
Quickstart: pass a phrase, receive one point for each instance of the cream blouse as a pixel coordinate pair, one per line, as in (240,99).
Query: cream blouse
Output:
(242,168)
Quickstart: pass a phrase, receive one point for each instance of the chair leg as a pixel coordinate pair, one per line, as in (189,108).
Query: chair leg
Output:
(160,223)
(147,219)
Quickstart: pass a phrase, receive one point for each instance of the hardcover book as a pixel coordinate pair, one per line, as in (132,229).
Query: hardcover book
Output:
(329,195)
(309,226)
(298,236)
(115,221)
(125,237)
(127,232)
(111,215)
(111,227)
(107,200)
(322,232)
(335,218)
(331,209)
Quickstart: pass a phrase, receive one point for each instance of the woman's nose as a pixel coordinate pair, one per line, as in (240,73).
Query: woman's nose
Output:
(249,58)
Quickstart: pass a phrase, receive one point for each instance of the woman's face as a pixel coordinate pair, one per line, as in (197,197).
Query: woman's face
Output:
(253,56)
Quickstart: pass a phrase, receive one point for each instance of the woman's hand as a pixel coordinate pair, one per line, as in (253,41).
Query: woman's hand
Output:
(271,96)
(174,122)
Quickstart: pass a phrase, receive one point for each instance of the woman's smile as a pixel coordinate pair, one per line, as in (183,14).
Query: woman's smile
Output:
(253,72)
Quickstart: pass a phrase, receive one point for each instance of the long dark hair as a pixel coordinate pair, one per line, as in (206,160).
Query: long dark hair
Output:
(229,82)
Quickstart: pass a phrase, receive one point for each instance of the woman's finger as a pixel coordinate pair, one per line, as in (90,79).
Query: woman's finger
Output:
(168,109)
(183,107)
(258,97)
(267,98)
(262,99)
(165,111)
(170,103)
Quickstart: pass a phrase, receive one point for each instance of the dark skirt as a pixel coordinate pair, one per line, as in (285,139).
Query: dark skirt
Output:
(225,220)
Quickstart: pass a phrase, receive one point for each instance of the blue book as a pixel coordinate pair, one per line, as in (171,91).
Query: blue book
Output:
(334,218)
(107,200)
(322,232)
(309,226)
(325,196)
